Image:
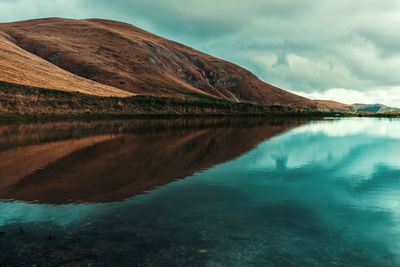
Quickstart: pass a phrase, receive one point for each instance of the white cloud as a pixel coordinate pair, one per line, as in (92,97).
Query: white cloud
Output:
(389,96)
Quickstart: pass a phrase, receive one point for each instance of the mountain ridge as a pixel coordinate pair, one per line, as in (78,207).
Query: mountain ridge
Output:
(119,59)
(108,58)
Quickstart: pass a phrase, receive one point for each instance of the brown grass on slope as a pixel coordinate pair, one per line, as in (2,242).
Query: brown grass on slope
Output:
(22,67)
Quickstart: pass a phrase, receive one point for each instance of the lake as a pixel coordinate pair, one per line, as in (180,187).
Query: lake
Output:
(201,192)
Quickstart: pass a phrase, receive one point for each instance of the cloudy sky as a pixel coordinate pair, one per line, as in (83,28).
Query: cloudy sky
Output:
(333,49)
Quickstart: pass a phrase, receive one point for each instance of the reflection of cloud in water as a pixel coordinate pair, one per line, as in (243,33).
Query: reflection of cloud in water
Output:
(387,128)
(352,161)
(355,153)
(351,178)
(306,194)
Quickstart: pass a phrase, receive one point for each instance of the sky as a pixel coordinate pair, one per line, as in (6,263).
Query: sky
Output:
(342,50)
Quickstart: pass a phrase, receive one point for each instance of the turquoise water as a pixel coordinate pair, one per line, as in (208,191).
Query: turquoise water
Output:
(314,193)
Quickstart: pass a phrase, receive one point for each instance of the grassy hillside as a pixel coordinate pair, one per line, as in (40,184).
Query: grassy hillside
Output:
(110,58)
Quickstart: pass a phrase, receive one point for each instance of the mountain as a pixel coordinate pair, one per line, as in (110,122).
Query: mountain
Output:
(374,108)
(109,58)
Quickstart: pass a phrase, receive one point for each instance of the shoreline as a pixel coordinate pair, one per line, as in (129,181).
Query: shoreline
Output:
(26,104)
(26,118)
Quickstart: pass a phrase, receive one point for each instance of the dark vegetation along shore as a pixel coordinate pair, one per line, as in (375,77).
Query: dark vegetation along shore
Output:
(23,102)
(19,102)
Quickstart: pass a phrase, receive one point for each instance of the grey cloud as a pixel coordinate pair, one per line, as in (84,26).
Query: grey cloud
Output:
(302,45)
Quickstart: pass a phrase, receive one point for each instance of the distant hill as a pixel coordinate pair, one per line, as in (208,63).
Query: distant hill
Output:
(374,108)
(329,106)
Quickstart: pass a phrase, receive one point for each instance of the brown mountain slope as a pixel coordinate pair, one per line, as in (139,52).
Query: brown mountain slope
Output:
(22,67)
(125,57)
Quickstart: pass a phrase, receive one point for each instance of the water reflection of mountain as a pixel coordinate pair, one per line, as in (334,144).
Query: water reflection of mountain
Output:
(68,162)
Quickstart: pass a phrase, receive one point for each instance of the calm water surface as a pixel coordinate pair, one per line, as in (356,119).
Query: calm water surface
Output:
(201,193)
